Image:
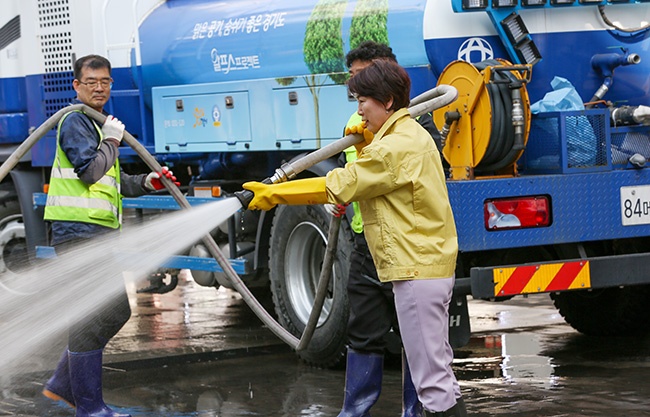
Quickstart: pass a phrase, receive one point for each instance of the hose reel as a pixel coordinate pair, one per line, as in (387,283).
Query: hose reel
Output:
(486,129)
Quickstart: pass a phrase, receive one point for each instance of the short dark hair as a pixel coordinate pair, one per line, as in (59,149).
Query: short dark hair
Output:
(90,61)
(383,80)
(369,50)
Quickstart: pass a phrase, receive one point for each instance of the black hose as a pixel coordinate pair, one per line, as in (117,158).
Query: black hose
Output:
(601,11)
(500,151)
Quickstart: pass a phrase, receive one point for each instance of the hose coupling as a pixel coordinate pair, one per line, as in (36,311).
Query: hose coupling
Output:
(450,118)
(283,174)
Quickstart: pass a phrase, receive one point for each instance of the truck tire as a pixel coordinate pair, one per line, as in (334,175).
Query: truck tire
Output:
(297,248)
(606,312)
(13,246)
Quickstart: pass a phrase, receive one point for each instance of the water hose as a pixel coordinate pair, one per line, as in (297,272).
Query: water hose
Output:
(207,240)
(508,119)
(31,140)
(151,162)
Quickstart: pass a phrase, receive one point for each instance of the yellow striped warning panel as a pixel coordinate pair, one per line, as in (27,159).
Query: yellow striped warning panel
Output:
(530,279)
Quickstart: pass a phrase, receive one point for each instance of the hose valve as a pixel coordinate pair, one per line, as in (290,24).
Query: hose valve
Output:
(604,65)
(631,115)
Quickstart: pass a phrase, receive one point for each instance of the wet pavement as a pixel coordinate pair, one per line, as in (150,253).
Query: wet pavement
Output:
(201,352)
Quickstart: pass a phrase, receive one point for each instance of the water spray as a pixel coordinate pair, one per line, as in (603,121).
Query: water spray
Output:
(151,162)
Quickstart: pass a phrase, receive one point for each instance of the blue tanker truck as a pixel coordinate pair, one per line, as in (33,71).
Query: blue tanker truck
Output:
(545,146)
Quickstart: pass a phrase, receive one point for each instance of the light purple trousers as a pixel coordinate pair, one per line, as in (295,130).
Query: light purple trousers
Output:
(423,313)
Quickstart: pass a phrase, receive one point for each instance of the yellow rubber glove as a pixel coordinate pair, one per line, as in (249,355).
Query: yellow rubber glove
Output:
(360,129)
(296,192)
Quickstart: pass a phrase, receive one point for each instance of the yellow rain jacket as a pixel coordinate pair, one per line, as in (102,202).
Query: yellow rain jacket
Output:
(399,183)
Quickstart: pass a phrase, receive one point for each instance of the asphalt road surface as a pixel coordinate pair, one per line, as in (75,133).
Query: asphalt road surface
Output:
(201,352)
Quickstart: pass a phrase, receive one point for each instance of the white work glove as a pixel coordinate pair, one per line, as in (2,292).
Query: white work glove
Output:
(152,181)
(330,208)
(336,210)
(113,129)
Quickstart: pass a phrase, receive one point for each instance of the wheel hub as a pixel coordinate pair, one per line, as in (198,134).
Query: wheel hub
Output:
(304,257)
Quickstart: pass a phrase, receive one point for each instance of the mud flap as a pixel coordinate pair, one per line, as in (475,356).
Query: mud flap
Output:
(459,327)
(28,182)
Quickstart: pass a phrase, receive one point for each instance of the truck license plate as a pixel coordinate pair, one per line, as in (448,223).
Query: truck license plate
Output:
(635,205)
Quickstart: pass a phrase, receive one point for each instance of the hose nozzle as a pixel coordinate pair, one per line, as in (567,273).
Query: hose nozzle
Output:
(245,197)
(284,173)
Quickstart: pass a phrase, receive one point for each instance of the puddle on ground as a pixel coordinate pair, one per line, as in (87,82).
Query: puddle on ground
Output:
(547,370)
(551,373)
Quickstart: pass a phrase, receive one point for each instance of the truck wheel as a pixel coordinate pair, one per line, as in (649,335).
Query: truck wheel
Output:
(13,246)
(606,312)
(297,248)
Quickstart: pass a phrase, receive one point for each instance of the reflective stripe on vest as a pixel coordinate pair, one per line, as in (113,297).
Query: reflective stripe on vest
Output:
(351,155)
(70,199)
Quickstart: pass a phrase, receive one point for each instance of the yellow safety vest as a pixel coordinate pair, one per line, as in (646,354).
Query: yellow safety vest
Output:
(351,155)
(70,199)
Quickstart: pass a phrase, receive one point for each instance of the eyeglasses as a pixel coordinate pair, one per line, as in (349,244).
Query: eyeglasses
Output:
(106,83)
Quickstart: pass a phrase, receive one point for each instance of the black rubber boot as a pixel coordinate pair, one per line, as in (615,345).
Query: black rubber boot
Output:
(86,382)
(58,388)
(458,410)
(363,375)
(411,406)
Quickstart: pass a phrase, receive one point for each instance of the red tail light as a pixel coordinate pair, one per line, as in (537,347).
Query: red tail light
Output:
(517,212)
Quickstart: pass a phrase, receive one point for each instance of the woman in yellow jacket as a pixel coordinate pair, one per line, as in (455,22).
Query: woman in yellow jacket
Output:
(399,182)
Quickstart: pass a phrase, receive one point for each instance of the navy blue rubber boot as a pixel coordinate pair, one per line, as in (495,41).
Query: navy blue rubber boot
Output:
(58,388)
(411,406)
(363,375)
(86,382)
